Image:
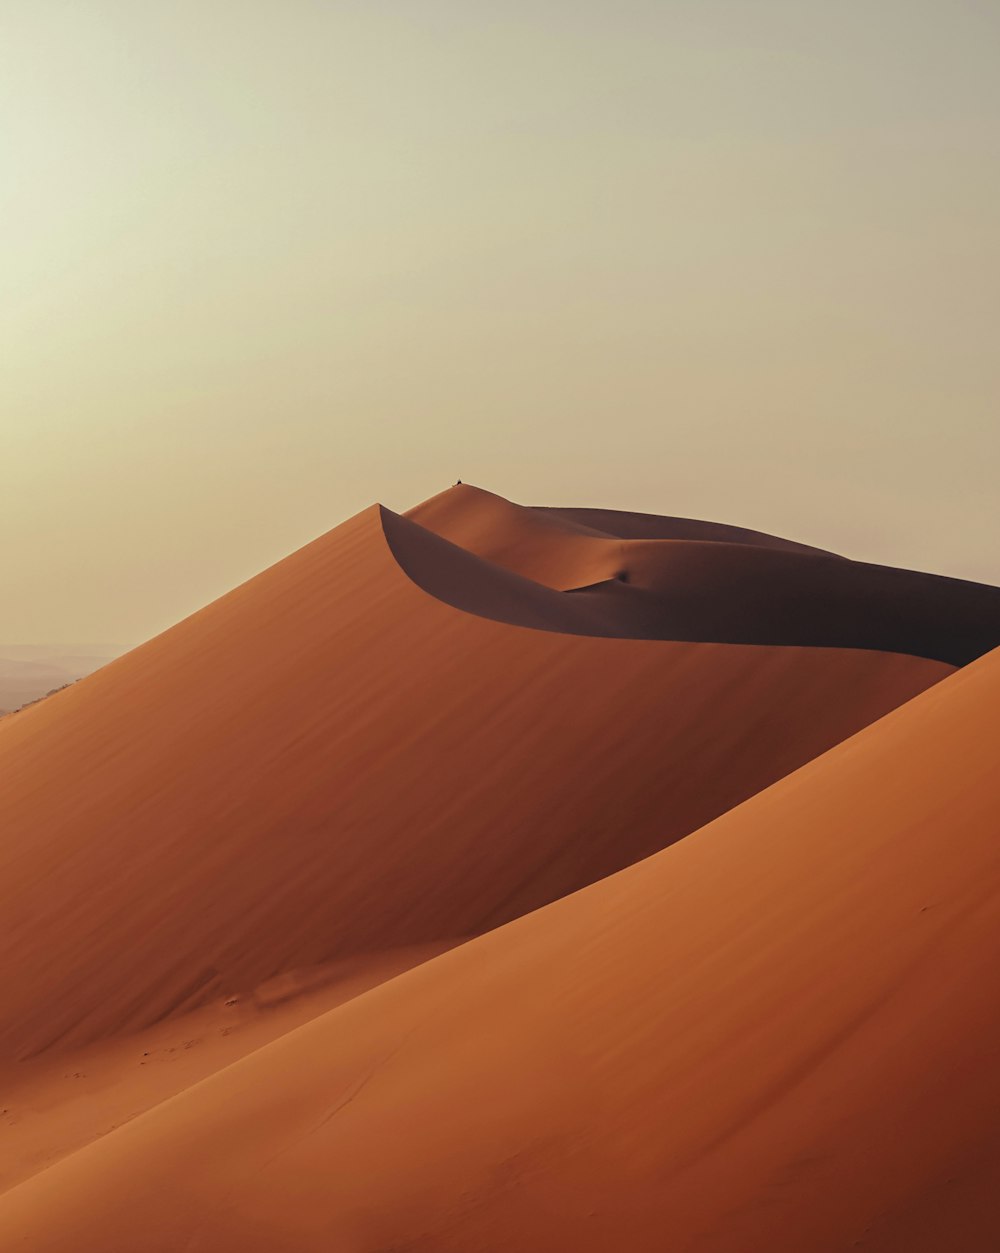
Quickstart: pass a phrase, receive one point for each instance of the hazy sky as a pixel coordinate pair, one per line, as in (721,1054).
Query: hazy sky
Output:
(263,262)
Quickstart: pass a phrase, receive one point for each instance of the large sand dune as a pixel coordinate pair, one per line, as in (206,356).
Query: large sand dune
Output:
(329,762)
(780,1033)
(675,579)
(408,734)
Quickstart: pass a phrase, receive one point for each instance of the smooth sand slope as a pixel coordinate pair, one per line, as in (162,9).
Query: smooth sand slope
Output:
(676,579)
(330,764)
(779,1034)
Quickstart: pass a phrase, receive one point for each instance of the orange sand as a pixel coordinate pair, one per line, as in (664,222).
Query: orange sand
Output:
(776,1033)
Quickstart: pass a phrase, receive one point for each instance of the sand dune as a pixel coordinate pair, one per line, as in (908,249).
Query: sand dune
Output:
(217,853)
(778,1034)
(564,548)
(329,762)
(489,524)
(668,579)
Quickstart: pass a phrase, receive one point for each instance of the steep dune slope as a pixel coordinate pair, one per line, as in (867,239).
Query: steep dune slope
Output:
(329,763)
(778,1034)
(673,579)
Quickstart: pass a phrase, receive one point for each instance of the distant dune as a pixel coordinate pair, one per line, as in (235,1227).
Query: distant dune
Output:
(419,729)
(28,673)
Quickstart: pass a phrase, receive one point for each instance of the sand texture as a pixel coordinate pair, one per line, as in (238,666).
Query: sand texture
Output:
(407,899)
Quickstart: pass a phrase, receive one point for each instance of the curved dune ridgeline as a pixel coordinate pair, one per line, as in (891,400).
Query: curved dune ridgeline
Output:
(232,861)
(669,578)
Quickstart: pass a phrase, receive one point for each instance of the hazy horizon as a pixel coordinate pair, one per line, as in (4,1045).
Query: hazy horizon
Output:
(267,263)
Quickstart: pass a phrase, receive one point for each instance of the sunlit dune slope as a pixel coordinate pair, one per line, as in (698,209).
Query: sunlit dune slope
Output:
(329,762)
(778,1034)
(675,579)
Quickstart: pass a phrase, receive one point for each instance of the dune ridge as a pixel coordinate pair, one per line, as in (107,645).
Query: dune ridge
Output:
(665,579)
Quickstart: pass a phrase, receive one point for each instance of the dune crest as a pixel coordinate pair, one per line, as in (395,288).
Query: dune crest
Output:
(665,578)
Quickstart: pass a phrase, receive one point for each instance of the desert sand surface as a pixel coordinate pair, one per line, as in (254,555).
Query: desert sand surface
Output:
(60,1102)
(779,1033)
(308,937)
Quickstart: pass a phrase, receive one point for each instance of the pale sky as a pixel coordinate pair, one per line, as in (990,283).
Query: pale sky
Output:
(263,262)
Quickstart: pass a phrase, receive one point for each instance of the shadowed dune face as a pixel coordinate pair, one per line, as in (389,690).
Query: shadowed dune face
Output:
(666,578)
(777,1034)
(329,762)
